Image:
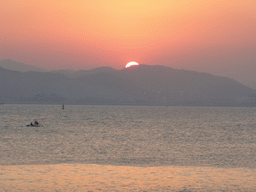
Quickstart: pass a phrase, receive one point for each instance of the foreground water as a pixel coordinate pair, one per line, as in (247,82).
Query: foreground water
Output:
(125,148)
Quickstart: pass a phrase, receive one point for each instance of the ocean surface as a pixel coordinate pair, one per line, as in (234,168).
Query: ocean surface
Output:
(127,148)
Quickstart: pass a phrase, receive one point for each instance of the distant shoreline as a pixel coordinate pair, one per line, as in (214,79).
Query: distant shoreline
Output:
(127,104)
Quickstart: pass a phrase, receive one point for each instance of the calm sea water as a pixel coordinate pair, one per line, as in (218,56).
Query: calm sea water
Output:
(211,149)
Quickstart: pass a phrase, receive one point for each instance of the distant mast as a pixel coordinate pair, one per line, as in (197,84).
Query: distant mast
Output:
(63,106)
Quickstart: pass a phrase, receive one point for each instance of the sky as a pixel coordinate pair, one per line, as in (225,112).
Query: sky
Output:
(213,36)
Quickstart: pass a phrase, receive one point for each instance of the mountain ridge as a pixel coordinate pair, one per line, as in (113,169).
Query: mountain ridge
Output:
(137,85)
(17,66)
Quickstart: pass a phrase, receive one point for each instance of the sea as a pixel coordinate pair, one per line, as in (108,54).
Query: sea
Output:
(127,148)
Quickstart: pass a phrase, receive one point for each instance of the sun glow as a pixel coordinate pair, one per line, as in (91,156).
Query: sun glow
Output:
(131,64)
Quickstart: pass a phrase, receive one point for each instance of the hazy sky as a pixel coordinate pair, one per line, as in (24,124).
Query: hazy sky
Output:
(215,36)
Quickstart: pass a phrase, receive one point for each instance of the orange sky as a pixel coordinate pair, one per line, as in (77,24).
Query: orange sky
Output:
(215,36)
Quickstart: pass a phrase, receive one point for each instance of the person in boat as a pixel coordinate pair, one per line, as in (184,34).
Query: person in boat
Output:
(36,123)
(31,124)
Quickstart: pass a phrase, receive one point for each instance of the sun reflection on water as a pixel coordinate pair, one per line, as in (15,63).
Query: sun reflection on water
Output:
(90,177)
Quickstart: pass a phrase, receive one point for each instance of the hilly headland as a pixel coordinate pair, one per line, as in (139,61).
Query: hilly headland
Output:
(136,85)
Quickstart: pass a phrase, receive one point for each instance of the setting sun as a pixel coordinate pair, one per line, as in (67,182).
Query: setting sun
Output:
(131,64)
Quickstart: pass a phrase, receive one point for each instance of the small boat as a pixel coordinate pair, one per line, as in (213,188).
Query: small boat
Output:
(34,125)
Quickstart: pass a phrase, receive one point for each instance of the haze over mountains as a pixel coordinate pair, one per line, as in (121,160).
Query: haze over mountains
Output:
(17,66)
(137,85)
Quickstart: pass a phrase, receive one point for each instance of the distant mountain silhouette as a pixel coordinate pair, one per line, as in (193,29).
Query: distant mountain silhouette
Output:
(82,73)
(17,66)
(184,87)
(137,85)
